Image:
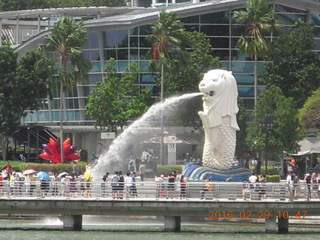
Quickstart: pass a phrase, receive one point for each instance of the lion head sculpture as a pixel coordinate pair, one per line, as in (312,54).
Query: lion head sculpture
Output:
(220,99)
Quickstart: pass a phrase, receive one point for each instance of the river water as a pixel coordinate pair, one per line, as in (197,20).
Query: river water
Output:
(97,228)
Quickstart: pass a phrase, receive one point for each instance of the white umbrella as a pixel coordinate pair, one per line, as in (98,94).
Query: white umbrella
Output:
(28,171)
(63,174)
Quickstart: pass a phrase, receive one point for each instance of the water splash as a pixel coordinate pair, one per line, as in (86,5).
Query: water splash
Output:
(117,155)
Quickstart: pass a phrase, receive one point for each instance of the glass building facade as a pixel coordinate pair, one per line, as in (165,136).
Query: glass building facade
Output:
(128,42)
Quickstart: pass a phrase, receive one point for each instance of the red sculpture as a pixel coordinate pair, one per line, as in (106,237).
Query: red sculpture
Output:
(52,151)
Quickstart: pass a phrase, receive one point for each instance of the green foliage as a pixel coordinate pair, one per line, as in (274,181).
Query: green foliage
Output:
(182,57)
(118,98)
(58,168)
(66,40)
(167,169)
(292,65)
(309,115)
(273,178)
(255,21)
(242,150)
(167,37)
(198,59)
(275,128)
(21,86)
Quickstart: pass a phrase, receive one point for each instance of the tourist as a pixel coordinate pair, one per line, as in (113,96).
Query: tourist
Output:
(133,188)
(1,184)
(128,184)
(183,186)
(254,164)
(54,183)
(245,188)
(120,185)
(308,182)
(33,184)
(177,185)
(75,169)
(170,190)
(262,186)
(72,186)
(114,185)
(14,184)
(142,169)
(7,167)
(295,185)
(206,188)
(315,184)
(253,181)
(105,180)
(160,185)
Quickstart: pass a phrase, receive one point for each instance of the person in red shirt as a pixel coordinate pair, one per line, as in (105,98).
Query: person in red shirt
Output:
(7,168)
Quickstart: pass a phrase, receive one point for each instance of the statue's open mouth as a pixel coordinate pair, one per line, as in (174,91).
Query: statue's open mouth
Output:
(211,93)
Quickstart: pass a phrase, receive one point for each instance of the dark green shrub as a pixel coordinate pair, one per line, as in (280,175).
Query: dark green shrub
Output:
(273,178)
(167,169)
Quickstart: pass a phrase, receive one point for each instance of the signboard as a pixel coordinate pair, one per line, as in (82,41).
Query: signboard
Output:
(108,135)
(172,147)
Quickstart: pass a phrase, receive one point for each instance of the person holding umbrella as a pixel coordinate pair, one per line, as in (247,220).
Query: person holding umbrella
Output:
(44,182)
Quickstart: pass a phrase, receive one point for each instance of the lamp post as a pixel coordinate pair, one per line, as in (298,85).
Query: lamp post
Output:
(161,117)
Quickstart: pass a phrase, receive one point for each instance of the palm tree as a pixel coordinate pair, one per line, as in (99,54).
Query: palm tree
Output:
(167,36)
(256,21)
(65,41)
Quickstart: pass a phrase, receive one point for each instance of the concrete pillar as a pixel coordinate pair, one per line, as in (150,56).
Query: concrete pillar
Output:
(72,222)
(271,225)
(283,225)
(172,223)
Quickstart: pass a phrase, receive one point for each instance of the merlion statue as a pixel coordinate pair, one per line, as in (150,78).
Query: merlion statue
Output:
(219,118)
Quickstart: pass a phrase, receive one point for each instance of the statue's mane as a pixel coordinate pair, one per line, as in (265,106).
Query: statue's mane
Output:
(225,102)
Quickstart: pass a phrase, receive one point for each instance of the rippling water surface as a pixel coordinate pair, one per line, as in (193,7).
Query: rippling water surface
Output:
(96,228)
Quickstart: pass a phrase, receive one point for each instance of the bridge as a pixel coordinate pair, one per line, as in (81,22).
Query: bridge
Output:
(277,207)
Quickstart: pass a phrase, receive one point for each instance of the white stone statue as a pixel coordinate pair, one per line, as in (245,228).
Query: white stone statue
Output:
(219,118)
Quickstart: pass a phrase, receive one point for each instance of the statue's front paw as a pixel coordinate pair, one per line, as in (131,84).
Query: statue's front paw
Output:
(200,113)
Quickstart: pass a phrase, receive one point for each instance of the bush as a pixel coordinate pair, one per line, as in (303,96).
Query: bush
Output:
(167,169)
(19,166)
(273,178)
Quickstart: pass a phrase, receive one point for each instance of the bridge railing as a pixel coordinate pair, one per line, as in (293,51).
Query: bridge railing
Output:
(159,190)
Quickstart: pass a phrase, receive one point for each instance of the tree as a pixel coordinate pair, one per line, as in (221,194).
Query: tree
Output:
(255,22)
(242,150)
(65,41)
(275,128)
(292,65)
(309,114)
(117,99)
(198,60)
(22,86)
(167,37)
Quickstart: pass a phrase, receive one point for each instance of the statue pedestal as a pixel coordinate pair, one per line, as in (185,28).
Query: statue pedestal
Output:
(236,174)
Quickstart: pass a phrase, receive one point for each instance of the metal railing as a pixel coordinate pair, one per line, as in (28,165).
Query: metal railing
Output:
(158,190)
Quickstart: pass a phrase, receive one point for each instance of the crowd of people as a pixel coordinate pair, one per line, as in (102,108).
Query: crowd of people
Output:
(39,183)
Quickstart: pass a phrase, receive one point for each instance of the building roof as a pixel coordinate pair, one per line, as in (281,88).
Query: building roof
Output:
(150,15)
(74,11)
(34,135)
(124,17)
